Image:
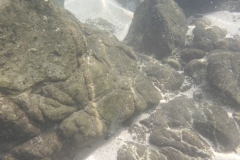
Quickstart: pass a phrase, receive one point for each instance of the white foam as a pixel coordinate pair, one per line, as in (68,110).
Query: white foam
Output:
(109,10)
(229,21)
(226,156)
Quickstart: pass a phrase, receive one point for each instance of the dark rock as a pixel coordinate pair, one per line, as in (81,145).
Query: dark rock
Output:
(196,69)
(223,68)
(191,53)
(198,6)
(166,138)
(202,23)
(172,127)
(158,27)
(214,124)
(42,147)
(231,44)
(15,126)
(205,38)
(172,62)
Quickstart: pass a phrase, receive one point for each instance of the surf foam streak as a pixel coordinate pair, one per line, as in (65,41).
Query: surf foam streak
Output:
(106,9)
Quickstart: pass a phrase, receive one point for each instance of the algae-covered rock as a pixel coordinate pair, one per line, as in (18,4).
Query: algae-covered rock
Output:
(15,126)
(211,121)
(81,128)
(62,82)
(206,37)
(33,50)
(42,147)
(191,53)
(196,69)
(158,27)
(147,91)
(223,72)
(171,79)
(117,101)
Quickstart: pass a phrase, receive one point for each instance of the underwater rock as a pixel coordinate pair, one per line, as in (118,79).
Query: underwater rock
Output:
(205,38)
(42,146)
(62,79)
(178,123)
(158,27)
(168,77)
(130,150)
(196,69)
(189,54)
(223,68)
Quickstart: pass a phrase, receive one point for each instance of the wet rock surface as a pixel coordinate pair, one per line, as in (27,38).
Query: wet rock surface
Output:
(158,27)
(63,82)
(63,77)
(223,72)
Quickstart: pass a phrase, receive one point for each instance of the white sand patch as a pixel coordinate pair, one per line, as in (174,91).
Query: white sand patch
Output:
(226,20)
(227,156)
(107,149)
(223,19)
(106,9)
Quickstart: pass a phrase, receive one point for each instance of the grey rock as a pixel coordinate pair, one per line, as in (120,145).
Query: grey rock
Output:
(62,79)
(158,27)
(223,72)
(205,38)
(191,53)
(215,124)
(102,24)
(231,44)
(177,125)
(131,150)
(196,69)
(40,147)
(169,78)
(13,120)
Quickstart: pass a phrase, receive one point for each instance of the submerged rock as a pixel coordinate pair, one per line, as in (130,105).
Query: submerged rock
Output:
(158,27)
(223,68)
(177,125)
(62,82)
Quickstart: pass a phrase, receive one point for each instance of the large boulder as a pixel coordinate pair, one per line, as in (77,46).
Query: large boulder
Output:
(158,27)
(62,82)
(178,125)
(223,68)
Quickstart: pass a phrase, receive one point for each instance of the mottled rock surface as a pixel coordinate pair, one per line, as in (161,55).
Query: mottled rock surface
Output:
(223,68)
(62,82)
(158,27)
(177,124)
(191,53)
